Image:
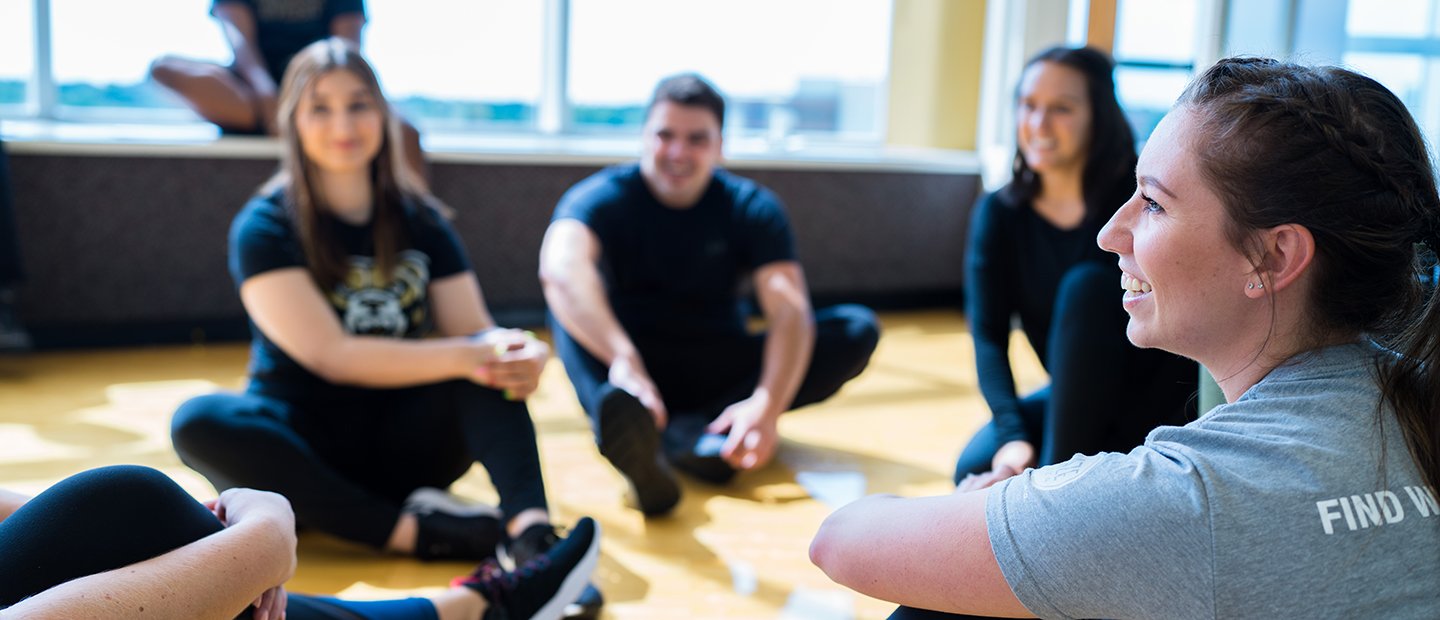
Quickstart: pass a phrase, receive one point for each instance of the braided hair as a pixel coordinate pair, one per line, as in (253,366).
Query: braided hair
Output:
(1338,153)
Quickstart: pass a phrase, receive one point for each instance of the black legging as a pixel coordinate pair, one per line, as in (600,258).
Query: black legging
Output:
(112,517)
(346,466)
(10,272)
(700,378)
(1105,394)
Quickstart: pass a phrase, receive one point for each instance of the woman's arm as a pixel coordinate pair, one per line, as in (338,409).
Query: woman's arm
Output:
(215,577)
(930,553)
(287,306)
(518,357)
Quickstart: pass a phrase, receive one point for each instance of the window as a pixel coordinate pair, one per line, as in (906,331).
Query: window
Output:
(791,71)
(102,53)
(794,71)
(1154,57)
(17,51)
(458,64)
(1400,48)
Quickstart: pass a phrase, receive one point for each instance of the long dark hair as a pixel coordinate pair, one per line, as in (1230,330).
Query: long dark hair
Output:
(393,184)
(1337,153)
(1110,160)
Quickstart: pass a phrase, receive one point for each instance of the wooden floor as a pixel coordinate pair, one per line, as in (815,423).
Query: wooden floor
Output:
(731,552)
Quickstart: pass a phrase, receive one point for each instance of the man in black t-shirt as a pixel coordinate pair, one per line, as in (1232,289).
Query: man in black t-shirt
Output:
(643,267)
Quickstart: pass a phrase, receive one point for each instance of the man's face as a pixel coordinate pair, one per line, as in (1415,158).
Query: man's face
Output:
(682,148)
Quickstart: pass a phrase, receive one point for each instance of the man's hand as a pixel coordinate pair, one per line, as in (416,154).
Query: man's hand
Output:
(753,432)
(628,373)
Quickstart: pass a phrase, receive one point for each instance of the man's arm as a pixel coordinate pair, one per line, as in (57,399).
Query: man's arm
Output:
(238,22)
(574,291)
(931,553)
(217,576)
(790,339)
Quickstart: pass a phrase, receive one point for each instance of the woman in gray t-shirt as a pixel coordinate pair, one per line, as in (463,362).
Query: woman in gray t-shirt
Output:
(1280,216)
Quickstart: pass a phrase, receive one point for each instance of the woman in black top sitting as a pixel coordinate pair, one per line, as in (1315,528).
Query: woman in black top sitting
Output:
(1032,255)
(377,376)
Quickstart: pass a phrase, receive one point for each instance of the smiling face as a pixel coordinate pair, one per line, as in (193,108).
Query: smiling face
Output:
(1053,118)
(682,148)
(339,123)
(1184,282)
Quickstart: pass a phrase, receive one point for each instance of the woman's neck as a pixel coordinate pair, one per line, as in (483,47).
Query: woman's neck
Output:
(1061,200)
(348,196)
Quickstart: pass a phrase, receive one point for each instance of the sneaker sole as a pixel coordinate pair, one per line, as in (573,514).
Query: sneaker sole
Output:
(430,498)
(629,440)
(574,583)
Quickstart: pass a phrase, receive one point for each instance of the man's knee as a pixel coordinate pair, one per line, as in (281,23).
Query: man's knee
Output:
(859,328)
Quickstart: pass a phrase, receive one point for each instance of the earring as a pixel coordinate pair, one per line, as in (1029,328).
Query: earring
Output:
(1250,285)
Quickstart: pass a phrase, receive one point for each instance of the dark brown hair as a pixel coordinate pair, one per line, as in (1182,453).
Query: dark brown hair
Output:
(1110,158)
(689,89)
(394,185)
(1337,153)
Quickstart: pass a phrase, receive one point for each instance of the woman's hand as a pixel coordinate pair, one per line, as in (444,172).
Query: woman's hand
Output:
(510,360)
(1011,459)
(236,506)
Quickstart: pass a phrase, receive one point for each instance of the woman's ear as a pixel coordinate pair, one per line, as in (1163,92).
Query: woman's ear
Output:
(1289,251)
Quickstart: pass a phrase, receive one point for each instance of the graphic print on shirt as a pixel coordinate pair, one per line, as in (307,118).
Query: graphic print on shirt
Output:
(368,305)
(1367,510)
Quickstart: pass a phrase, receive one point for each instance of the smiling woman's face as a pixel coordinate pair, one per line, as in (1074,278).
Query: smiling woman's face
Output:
(1184,281)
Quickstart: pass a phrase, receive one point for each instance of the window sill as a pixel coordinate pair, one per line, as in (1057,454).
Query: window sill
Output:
(202,140)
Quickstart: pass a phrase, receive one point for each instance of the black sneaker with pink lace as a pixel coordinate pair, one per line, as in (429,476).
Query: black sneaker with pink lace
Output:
(541,587)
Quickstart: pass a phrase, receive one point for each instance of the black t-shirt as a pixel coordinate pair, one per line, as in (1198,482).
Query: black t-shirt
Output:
(678,272)
(284,27)
(263,239)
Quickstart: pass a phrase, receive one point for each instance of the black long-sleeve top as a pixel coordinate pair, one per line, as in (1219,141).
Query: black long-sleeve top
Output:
(1013,268)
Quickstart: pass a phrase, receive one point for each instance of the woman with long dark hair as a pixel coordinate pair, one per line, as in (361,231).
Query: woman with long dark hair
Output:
(1032,256)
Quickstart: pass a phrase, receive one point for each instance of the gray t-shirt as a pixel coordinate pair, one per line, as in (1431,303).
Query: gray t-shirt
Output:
(1272,506)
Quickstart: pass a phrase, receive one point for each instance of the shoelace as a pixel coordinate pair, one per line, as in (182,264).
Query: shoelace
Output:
(495,584)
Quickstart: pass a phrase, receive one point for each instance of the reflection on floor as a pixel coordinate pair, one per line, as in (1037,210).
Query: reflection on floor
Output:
(732,552)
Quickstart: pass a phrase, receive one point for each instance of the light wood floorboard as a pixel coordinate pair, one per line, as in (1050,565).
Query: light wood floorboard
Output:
(732,552)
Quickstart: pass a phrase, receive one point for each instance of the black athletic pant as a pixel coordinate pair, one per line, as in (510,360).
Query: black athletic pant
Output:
(112,517)
(10,272)
(347,465)
(698,378)
(1105,394)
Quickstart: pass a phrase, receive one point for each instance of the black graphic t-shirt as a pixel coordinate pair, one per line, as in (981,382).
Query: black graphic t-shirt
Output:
(262,238)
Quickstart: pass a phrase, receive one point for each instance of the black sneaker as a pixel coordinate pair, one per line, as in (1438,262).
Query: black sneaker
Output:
(629,440)
(538,540)
(541,588)
(451,528)
(695,451)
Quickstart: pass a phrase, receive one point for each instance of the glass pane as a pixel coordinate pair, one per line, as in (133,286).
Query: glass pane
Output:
(1403,74)
(17,49)
(459,62)
(1155,30)
(1398,18)
(102,50)
(1147,94)
(799,66)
